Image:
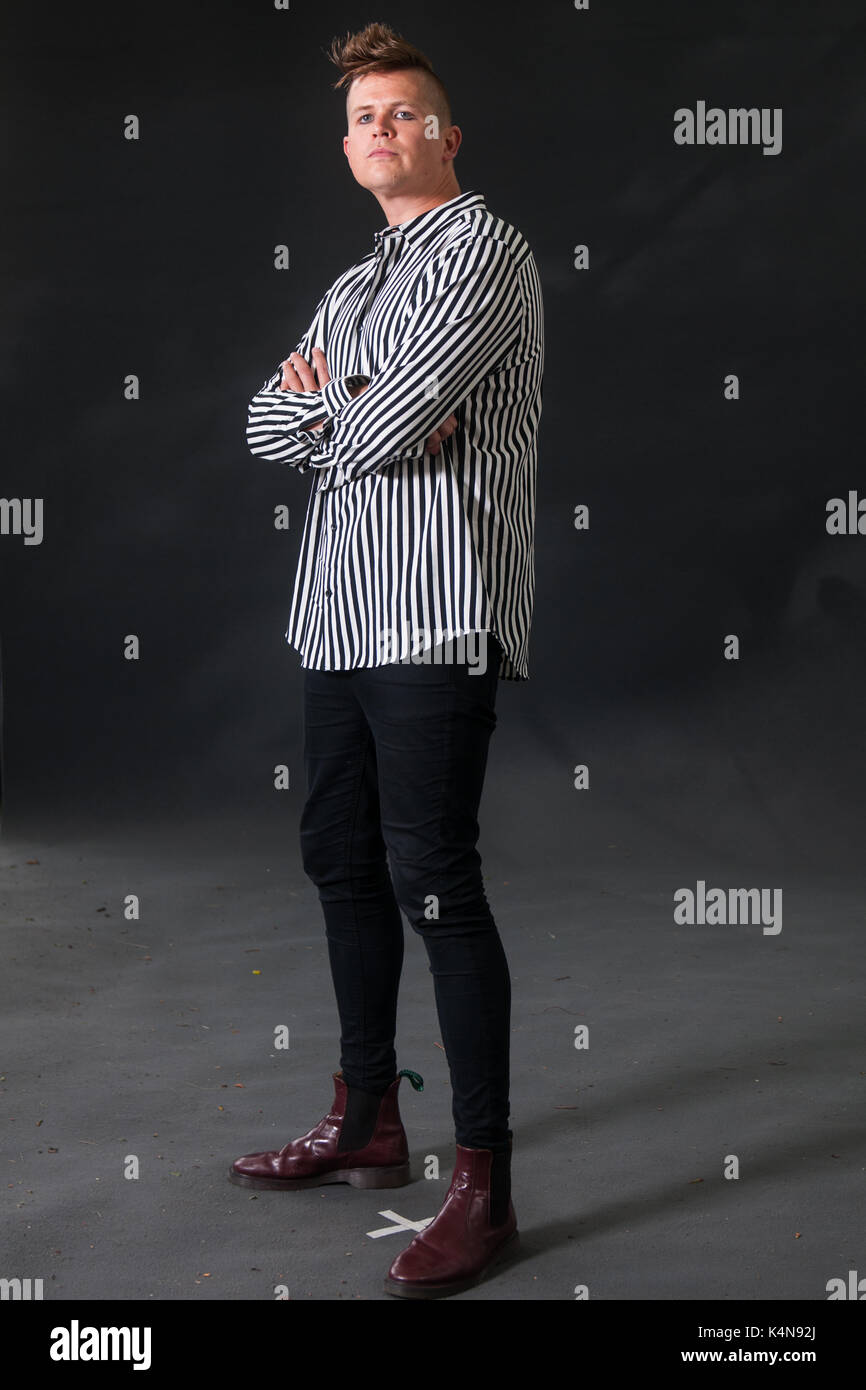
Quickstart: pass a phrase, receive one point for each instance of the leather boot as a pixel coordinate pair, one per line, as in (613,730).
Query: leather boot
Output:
(361,1141)
(476,1228)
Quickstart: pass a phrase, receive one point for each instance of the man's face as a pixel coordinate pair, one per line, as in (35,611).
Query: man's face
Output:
(389,112)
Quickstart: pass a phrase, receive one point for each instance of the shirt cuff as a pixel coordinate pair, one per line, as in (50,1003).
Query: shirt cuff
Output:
(339,391)
(331,398)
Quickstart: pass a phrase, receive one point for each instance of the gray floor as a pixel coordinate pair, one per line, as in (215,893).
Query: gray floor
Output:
(154,1038)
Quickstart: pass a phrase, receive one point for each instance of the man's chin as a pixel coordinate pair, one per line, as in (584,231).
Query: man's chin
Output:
(384,168)
(380,181)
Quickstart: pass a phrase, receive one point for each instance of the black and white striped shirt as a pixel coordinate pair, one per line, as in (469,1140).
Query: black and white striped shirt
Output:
(443,317)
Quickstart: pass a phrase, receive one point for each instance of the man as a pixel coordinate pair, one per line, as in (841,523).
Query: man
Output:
(415,395)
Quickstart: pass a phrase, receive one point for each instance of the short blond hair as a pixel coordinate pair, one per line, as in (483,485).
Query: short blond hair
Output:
(377,48)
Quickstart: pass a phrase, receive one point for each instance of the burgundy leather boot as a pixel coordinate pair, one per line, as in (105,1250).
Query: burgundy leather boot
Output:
(476,1228)
(361,1141)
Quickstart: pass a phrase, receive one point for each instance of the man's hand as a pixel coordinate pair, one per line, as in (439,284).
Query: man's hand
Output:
(447,427)
(298,376)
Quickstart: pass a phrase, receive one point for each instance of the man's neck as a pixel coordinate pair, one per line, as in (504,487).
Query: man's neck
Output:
(402,208)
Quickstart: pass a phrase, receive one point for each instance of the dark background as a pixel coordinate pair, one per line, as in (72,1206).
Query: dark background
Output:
(707,516)
(153,1035)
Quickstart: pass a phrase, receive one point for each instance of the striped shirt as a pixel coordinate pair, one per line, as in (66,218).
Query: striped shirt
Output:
(403,548)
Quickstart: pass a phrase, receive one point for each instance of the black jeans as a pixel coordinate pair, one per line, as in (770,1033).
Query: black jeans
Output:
(395,758)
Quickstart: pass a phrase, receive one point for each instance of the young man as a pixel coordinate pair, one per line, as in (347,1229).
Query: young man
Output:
(415,395)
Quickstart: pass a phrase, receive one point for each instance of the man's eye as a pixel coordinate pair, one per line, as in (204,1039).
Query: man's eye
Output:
(404,112)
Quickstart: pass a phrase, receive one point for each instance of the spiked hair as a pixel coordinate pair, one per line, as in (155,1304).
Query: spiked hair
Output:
(377,48)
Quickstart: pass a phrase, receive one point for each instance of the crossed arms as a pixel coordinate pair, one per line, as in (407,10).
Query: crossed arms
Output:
(465,316)
(300,375)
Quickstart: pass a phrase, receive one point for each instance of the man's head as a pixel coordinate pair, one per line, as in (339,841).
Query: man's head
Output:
(395,102)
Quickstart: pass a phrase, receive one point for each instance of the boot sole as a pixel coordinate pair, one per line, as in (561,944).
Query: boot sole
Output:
(509,1247)
(397,1176)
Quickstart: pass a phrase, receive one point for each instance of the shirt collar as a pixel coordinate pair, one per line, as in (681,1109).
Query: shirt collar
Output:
(417,230)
